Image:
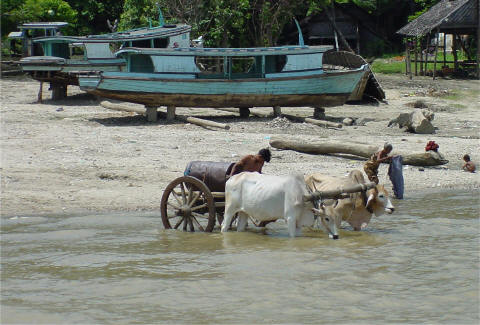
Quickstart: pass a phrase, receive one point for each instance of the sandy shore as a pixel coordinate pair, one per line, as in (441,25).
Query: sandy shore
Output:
(74,156)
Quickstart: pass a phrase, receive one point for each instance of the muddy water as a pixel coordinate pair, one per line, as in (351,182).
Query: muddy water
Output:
(420,265)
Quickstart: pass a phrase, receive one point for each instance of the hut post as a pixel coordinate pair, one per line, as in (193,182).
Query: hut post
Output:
(436,53)
(421,56)
(416,55)
(454,48)
(408,68)
(478,39)
(426,55)
(444,49)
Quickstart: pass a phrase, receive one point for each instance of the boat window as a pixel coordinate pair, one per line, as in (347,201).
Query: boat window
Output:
(77,51)
(246,67)
(140,63)
(147,43)
(60,50)
(275,63)
(210,66)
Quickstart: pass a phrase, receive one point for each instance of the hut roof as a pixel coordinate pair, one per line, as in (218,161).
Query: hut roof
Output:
(445,15)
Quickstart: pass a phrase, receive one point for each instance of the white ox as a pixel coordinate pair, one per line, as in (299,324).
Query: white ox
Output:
(356,210)
(268,198)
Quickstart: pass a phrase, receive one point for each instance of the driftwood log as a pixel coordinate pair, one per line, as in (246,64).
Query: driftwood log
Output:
(323,123)
(122,108)
(428,158)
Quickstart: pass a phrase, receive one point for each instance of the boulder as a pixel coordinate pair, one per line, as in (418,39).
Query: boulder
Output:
(418,121)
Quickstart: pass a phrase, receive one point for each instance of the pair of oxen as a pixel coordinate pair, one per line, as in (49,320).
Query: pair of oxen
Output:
(269,198)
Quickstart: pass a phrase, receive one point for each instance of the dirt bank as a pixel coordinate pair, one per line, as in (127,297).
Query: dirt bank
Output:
(74,156)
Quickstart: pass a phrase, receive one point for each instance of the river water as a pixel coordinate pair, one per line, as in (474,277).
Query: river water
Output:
(419,265)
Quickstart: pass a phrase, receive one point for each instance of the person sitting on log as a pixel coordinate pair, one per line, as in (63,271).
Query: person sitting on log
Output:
(469,166)
(252,163)
(372,164)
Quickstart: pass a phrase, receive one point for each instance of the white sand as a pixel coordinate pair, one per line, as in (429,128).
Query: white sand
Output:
(75,156)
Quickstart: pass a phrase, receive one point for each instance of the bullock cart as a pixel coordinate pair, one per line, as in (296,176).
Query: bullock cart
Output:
(196,200)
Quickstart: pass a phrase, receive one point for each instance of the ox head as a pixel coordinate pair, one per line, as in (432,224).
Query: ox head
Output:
(378,201)
(326,223)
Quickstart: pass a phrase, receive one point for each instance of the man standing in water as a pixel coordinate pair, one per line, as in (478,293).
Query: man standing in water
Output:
(372,164)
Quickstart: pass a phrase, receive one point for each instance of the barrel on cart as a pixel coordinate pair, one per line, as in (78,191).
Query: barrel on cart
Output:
(196,200)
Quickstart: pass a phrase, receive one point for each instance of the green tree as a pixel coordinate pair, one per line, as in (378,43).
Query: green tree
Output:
(93,14)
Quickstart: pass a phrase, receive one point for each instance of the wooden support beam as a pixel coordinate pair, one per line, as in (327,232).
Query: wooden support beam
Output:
(319,113)
(277,111)
(151,113)
(170,113)
(40,92)
(322,123)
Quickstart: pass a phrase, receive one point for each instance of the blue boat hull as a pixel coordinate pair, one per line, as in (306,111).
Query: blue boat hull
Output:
(318,90)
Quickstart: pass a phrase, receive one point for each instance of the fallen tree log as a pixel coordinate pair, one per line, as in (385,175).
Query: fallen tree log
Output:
(313,121)
(122,108)
(202,122)
(429,158)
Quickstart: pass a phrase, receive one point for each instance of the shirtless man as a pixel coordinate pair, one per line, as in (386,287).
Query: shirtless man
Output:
(469,166)
(252,163)
(371,166)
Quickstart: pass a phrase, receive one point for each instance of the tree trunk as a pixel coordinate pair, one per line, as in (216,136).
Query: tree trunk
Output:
(429,158)
(341,38)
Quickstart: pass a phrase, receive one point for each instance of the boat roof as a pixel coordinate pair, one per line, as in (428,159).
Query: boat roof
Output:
(43,25)
(123,36)
(252,51)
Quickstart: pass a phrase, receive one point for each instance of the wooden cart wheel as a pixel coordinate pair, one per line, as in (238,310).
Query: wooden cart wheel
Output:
(188,202)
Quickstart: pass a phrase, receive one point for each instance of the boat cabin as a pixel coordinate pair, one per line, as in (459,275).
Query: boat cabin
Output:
(226,63)
(29,31)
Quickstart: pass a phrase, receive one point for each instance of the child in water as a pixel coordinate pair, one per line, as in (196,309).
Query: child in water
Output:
(372,164)
(469,166)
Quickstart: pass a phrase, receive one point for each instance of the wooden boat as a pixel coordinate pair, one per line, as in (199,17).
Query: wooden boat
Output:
(226,77)
(60,59)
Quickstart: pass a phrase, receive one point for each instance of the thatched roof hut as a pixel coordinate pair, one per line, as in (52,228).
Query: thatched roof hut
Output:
(456,17)
(447,16)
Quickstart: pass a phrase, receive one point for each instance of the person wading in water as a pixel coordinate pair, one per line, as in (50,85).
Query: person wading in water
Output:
(372,164)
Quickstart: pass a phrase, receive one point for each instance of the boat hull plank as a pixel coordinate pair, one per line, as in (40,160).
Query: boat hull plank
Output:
(225,100)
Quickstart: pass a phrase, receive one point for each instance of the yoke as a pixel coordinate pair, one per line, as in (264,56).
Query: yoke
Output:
(213,174)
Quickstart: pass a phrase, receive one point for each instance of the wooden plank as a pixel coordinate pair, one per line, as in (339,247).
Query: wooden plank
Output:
(339,192)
